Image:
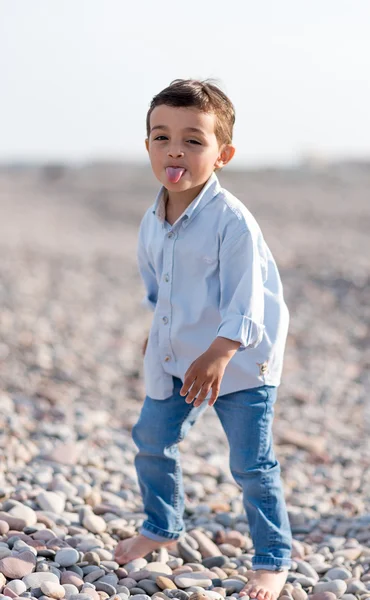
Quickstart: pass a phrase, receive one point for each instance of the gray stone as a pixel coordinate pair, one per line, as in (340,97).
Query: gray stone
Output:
(67,557)
(70,590)
(188,553)
(109,589)
(232,586)
(336,586)
(149,586)
(339,573)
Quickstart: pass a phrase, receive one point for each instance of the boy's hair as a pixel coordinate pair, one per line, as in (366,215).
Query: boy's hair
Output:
(203,95)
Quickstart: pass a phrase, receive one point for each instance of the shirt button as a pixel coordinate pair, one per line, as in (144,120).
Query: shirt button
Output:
(167,358)
(170,235)
(166,278)
(165,320)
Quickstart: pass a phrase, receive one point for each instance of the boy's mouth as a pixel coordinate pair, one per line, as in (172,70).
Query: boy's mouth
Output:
(174,174)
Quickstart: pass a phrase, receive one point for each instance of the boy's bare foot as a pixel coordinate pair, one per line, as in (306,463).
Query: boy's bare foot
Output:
(265,585)
(136,547)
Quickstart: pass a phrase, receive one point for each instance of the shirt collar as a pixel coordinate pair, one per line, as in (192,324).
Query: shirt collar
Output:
(209,191)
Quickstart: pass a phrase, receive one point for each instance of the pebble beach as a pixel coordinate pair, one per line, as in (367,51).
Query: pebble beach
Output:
(71,388)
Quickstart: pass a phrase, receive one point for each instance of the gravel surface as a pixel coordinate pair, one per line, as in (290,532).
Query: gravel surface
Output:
(71,330)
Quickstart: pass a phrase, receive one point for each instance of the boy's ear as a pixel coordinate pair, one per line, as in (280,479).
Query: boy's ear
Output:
(147,144)
(225,156)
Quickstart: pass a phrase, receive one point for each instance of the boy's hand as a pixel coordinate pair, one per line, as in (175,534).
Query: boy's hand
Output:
(207,371)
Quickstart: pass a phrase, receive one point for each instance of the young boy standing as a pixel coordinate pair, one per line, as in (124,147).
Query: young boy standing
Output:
(218,334)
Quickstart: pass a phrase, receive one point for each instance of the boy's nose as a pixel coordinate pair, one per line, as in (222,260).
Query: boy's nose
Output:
(176,153)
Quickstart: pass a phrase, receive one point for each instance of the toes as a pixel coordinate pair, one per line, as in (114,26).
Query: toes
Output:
(253,592)
(261,594)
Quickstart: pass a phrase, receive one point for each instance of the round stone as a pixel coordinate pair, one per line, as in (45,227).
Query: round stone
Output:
(338,587)
(70,590)
(136,564)
(101,586)
(67,557)
(16,567)
(149,586)
(157,567)
(323,596)
(71,578)
(186,580)
(94,523)
(27,514)
(165,583)
(52,590)
(91,592)
(232,586)
(4,527)
(51,501)
(17,586)
(338,573)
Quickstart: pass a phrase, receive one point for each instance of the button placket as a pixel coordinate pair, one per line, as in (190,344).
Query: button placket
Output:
(164,333)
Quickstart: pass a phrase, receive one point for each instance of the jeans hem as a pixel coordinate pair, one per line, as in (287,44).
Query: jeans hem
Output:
(157,534)
(271,564)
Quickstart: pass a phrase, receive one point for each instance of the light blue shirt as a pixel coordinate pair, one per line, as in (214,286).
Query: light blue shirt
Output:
(210,274)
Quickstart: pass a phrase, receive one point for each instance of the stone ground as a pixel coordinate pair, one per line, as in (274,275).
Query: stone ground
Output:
(71,386)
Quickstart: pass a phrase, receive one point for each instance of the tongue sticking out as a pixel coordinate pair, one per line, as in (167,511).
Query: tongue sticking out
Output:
(174,174)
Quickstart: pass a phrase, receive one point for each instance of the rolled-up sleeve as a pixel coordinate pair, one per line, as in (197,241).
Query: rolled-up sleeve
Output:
(242,274)
(147,272)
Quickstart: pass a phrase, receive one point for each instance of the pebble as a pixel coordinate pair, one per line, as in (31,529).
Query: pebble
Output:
(71,578)
(232,586)
(52,589)
(94,523)
(16,567)
(17,586)
(164,583)
(101,586)
(338,573)
(24,513)
(157,567)
(67,557)
(206,546)
(70,590)
(188,579)
(337,586)
(188,553)
(136,564)
(51,501)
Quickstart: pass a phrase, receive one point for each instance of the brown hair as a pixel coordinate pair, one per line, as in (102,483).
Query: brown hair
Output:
(203,95)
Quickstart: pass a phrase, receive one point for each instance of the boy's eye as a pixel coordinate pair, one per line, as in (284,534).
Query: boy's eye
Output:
(194,142)
(160,137)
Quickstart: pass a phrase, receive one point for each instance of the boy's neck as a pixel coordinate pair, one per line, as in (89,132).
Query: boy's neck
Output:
(179,201)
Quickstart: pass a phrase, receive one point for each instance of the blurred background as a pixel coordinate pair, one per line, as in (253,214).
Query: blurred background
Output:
(76,80)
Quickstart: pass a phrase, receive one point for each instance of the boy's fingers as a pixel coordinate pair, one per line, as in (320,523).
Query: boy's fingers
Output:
(203,394)
(188,380)
(193,392)
(215,392)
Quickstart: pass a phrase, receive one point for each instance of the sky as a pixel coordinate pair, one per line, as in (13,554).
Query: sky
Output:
(77,76)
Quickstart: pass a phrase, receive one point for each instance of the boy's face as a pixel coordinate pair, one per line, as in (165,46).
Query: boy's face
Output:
(183,147)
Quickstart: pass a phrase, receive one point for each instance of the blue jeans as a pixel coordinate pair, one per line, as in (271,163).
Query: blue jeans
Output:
(246,417)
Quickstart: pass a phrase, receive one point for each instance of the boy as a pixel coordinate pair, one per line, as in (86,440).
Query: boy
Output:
(219,330)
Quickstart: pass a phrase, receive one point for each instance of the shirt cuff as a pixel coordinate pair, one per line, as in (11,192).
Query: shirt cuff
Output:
(148,303)
(241,329)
